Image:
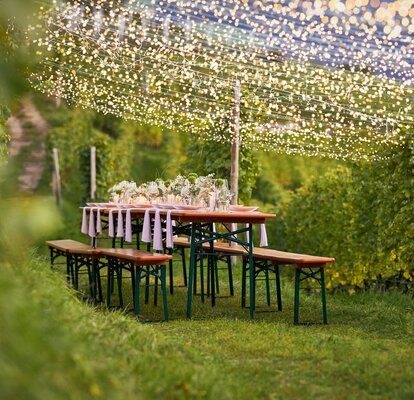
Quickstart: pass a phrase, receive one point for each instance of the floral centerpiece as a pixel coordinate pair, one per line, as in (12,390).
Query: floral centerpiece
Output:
(191,189)
(123,191)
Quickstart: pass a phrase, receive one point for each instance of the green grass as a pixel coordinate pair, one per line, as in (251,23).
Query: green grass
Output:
(54,346)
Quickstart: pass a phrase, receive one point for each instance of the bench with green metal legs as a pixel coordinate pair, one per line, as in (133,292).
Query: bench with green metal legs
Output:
(261,271)
(78,255)
(306,268)
(142,266)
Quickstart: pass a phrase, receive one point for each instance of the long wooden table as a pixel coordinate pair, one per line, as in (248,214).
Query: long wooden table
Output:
(199,226)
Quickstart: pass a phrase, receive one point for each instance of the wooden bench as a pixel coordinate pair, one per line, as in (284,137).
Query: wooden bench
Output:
(141,265)
(268,260)
(306,267)
(77,255)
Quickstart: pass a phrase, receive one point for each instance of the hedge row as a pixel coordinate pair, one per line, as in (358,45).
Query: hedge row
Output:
(363,215)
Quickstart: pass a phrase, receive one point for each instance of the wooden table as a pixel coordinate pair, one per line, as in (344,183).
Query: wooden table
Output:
(201,232)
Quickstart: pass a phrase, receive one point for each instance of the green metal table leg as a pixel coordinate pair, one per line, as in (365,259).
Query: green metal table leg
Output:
(184,265)
(191,272)
(202,273)
(244,277)
(323,290)
(296,305)
(252,277)
(170,265)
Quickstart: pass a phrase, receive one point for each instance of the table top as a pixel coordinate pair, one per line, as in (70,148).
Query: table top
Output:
(254,217)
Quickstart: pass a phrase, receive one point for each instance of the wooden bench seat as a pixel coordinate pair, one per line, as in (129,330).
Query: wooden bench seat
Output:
(285,258)
(139,257)
(69,246)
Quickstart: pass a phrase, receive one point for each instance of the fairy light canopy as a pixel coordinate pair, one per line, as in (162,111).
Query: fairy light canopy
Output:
(329,78)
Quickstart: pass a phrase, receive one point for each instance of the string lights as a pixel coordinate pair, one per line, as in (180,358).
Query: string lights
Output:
(329,78)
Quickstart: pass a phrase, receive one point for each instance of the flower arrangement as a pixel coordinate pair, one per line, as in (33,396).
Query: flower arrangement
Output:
(190,189)
(123,190)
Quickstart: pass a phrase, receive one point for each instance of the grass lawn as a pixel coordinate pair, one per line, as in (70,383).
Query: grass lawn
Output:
(54,346)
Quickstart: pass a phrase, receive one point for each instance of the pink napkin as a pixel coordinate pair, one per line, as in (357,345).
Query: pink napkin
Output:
(84,228)
(111,232)
(174,224)
(214,230)
(263,236)
(169,233)
(91,230)
(146,229)
(157,240)
(128,226)
(98,221)
(120,228)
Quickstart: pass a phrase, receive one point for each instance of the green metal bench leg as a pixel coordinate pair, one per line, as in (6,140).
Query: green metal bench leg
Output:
(138,271)
(98,278)
(230,271)
(92,280)
(164,292)
(133,283)
(215,265)
(244,277)
(156,291)
(266,271)
(184,265)
(323,292)
(88,268)
(68,270)
(202,276)
(119,281)
(147,285)
(296,305)
(195,276)
(110,280)
(278,289)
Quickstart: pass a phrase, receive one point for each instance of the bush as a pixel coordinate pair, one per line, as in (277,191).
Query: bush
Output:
(363,215)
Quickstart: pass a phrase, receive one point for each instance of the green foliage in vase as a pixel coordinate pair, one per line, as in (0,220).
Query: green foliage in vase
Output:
(363,215)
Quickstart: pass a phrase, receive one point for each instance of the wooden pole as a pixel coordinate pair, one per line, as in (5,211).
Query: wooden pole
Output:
(235,141)
(93,172)
(56,177)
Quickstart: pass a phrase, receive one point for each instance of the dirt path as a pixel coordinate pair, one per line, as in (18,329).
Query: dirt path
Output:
(28,131)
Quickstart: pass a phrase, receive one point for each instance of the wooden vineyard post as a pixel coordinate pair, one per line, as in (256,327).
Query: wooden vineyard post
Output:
(93,172)
(235,142)
(56,178)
